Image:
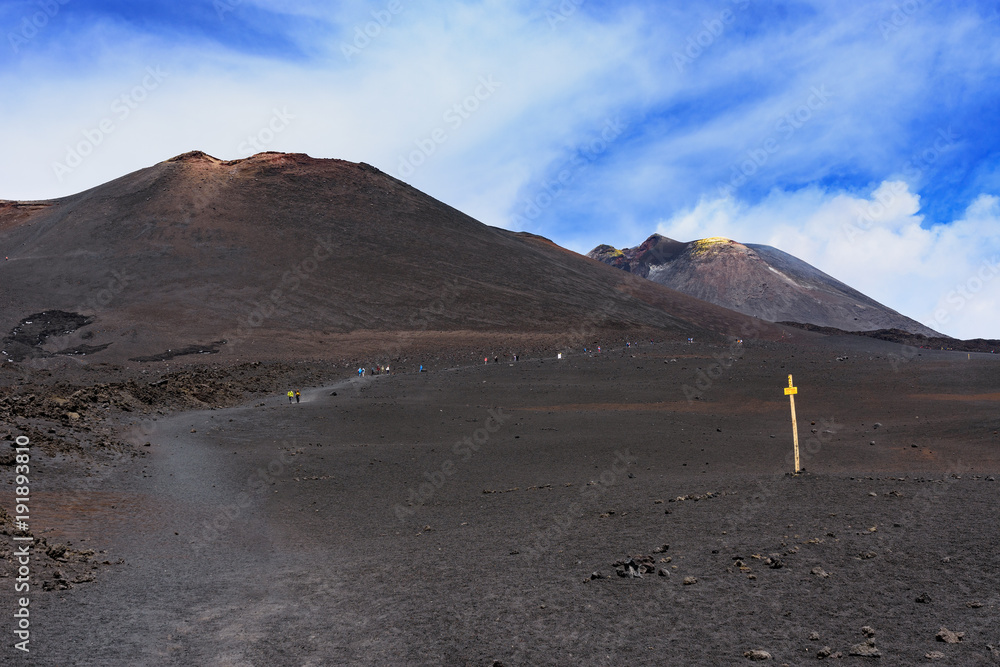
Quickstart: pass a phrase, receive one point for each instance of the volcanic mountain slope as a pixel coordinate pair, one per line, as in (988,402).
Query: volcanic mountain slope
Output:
(757,280)
(282,254)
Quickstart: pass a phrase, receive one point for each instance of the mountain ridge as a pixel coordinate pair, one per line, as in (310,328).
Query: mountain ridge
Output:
(283,253)
(757,280)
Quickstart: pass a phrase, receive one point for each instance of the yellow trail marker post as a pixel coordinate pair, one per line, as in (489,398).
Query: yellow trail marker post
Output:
(790,392)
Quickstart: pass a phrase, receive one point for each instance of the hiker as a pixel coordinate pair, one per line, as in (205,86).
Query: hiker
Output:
(297,396)
(361,372)
(290,394)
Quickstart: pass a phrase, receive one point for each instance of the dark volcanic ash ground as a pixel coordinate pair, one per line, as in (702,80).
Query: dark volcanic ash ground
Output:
(495,514)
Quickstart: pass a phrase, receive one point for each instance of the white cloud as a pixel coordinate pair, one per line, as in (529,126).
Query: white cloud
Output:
(890,97)
(946,276)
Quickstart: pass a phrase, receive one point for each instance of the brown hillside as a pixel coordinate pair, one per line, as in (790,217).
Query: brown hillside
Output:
(285,254)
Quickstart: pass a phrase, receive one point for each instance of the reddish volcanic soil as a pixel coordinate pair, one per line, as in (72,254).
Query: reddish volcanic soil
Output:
(457,516)
(286,255)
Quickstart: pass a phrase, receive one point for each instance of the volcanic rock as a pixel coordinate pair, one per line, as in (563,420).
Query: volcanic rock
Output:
(757,280)
(948,637)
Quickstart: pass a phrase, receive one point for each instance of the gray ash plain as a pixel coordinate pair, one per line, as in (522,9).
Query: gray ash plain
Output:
(273,534)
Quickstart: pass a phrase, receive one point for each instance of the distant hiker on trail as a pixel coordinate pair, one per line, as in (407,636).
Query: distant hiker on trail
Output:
(290,394)
(297,396)
(361,372)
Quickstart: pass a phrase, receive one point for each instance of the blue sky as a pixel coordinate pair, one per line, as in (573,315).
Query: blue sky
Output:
(861,137)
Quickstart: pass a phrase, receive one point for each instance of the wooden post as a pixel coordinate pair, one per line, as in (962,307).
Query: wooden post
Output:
(790,392)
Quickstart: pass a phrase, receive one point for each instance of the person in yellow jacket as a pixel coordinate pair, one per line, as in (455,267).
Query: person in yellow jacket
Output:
(291,395)
(297,394)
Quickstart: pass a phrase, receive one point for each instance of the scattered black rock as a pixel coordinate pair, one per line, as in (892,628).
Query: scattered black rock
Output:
(56,552)
(757,654)
(948,637)
(26,339)
(635,567)
(923,598)
(695,497)
(211,348)
(865,649)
